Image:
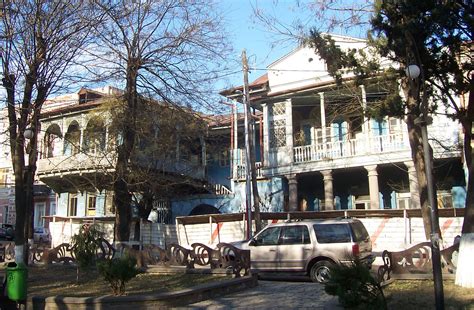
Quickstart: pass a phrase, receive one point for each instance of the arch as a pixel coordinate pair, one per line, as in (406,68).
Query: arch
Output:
(52,137)
(94,136)
(204,209)
(72,139)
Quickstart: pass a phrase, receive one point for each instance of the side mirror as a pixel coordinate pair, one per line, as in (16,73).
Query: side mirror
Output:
(252,242)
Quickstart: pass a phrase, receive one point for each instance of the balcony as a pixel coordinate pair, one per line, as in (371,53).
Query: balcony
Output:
(78,163)
(375,145)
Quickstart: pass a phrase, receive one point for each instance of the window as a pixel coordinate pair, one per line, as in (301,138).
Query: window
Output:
(91,204)
(224,158)
(4,177)
(359,231)
(52,208)
(295,235)
(72,207)
(268,236)
(39,214)
(332,233)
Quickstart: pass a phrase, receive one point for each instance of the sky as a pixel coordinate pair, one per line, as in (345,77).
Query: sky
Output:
(264,47)
(246,33)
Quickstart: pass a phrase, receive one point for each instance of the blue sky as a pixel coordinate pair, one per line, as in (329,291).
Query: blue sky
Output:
(245,33)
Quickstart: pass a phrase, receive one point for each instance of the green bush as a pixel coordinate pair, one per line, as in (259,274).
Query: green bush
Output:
(118,272)
(85,245)
(355,287)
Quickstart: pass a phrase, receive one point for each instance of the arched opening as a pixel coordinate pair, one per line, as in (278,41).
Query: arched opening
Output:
(94,136)
(51,139)
(72,139)
(204,209)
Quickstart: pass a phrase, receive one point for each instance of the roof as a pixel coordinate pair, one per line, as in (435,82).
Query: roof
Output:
(259,84)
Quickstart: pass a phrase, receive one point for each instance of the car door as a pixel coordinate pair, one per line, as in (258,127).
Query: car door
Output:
(263,249)
(294,248)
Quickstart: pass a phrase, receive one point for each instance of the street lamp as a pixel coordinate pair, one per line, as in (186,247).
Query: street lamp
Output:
(29,133)
(413,72)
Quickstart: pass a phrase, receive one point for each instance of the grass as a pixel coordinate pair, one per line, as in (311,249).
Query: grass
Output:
(61,280)
(419,294)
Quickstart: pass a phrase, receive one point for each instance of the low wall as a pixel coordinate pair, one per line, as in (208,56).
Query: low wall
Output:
(391,233)
(391,230)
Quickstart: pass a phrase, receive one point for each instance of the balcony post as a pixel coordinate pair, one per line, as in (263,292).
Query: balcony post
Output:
(266,142)
(289,129)
(323,121)
(373,186)
(366,127)
(328,190)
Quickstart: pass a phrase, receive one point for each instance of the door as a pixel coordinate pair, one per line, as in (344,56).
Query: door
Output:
(295,248)
(263,249)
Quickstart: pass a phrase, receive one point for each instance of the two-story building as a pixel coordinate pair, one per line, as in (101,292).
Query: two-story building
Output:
(320,139)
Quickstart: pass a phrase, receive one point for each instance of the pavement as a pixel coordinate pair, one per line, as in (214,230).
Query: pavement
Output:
(270,294)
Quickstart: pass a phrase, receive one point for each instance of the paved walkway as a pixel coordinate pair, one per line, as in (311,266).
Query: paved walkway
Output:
(273,294)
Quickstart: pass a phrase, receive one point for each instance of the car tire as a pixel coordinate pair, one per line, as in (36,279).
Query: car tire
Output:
(320,271)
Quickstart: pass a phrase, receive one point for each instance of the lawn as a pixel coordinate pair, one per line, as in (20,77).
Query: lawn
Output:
(61,280)
(419,294)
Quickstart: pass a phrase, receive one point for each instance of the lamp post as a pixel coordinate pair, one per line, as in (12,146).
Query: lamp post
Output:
(413,72)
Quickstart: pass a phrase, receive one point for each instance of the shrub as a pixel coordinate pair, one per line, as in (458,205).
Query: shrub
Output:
(118,272)
(355,287)
(85,245)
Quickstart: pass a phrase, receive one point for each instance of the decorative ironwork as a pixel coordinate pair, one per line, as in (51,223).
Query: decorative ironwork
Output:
(225,256)
(415,260)
(277,134)
(278,108)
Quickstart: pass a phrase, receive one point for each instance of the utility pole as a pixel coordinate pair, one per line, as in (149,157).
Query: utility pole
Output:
(248,188)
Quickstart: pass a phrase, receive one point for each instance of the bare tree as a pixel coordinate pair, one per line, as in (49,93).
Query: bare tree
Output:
(170,50)
(41,39)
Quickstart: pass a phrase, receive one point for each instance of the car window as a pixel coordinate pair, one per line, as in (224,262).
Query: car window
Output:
(295,235)
(332,233)
(359,232)
(268,237)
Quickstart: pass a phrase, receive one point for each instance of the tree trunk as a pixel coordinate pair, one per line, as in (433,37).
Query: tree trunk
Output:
(464,273)
(123,198)
(417,154)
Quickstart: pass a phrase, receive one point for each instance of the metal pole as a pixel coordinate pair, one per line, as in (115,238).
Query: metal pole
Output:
(435,251)
(248,188)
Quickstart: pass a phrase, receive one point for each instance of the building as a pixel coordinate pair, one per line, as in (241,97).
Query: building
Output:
(320,139)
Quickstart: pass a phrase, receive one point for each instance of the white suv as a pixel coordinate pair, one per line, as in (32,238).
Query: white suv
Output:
(312,246)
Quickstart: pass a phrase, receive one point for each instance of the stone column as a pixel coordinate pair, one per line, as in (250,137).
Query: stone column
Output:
(328,190)
(293,192)
(413,181)
(373,186)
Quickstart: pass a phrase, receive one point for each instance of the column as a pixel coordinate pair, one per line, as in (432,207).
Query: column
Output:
(328,190)
(293,192)
(373,186)
(413,181)
(289,130)
(266,130)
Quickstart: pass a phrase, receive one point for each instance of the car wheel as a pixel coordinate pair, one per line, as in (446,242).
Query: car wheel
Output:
(321,271)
